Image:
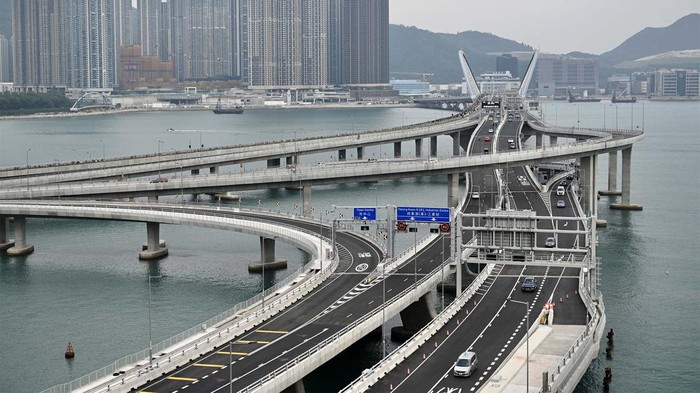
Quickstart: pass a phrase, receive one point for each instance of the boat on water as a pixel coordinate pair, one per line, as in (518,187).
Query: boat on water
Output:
(220,110)
(573,98)
(622,99)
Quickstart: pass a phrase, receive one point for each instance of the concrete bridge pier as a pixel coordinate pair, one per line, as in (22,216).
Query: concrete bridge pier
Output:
(397,149)
(419,148)
(342,155)
(360,153)
(453,190)
(298,387)
(626,183)
(433,146)
(587,183)
(552,140)
(538,140)
(274,163)
(5,241)
(267,257)
(455,143)
(21,247)
(154,249)
(414,318)
(612,176)
(307,209)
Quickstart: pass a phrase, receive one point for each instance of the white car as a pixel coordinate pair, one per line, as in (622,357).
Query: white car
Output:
(475,195)
(561,190)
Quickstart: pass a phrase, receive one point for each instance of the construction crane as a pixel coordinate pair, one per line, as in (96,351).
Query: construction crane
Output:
(422,74)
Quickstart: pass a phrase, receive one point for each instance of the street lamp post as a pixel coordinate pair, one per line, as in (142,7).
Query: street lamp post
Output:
(103,149)
(27,171)
(383,308)
(527,342)
(150,329)
(415,254)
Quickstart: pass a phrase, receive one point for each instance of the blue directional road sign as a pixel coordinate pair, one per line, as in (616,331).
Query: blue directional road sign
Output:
(422,214)
(364,213)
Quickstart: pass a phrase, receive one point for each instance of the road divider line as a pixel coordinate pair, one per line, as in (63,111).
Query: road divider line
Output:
(272,331)
(232,353)
(182,379)
(209,365)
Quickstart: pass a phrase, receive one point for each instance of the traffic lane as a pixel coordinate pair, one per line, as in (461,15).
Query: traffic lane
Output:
(569,308)
(414,368)
(508,328)
(300,312)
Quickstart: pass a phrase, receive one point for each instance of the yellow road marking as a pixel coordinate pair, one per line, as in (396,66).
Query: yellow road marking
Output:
(232,353)
(209,365)
(251,342)
(272,331)
(182,379)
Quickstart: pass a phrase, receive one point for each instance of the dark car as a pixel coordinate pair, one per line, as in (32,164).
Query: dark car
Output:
(487,138)
(529,284)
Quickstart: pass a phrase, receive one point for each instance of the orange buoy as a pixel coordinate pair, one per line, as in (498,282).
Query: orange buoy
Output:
(70,353)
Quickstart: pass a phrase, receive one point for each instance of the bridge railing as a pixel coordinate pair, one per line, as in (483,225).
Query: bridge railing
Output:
(141,358)
(332,339)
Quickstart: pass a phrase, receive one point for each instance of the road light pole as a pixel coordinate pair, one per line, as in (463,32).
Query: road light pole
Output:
(150,330)
(527,342)
(415,253)
(103,149)
(27,171)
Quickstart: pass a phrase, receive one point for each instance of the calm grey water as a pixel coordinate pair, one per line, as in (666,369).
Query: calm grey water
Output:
(85,283)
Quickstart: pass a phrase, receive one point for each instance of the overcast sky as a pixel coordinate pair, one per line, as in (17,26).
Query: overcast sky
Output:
(555,26)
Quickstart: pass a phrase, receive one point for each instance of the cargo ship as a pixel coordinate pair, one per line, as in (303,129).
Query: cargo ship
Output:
(573,98)
(220,110)
(623,99)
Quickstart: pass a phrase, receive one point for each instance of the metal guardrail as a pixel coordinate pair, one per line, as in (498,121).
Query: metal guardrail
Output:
(318,347)
(368,377)
(142,356)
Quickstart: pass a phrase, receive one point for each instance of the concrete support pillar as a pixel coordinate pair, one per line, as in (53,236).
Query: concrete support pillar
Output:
(5,241)
(453,190)
(585,179)
(194,172)
(419,147)
(626,183)
(274,163)
(213,170)
(433,146)
(153,250)
(21,247)
(414,317)
(538,140)
(612,176)
(267,257)
(397,149)
(306,201)
(298,387)
(153,199)
(455,143)
(552,140)
(360,153)
(342,155)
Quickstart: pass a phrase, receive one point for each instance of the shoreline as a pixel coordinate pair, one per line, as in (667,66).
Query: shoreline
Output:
(202,108)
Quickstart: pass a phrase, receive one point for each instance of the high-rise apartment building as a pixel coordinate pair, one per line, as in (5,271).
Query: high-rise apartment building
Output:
(203,39)
(287,43)
(677,83)
(155,29)
(39,43)
(6,18)
(126,26)
(359,41)
(5,75)
(91,54)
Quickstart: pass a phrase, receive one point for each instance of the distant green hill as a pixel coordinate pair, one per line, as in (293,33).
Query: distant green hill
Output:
(415,50)
(681,35)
